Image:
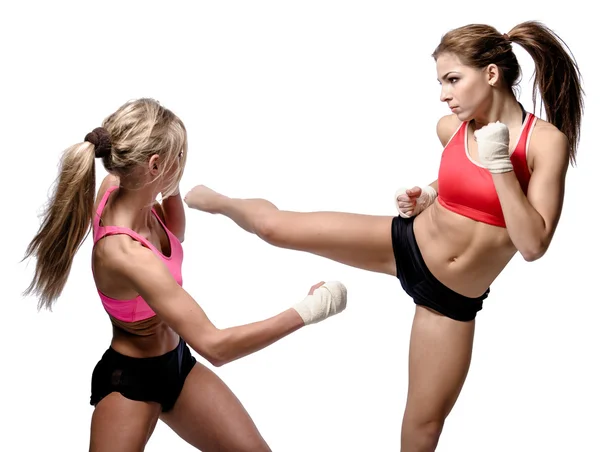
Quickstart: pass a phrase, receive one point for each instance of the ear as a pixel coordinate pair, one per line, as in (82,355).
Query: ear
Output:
(153,165)
(492,74)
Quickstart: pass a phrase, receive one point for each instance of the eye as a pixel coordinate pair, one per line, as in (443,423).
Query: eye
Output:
(451,80)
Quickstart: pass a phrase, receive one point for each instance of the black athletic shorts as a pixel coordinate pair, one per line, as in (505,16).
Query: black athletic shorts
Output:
(155,379)
(418,282)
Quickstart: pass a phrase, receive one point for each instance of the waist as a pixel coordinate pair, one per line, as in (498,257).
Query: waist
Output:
(145,341)
(464,254)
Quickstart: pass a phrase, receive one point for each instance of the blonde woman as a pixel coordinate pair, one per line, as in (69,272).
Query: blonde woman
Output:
(148,372)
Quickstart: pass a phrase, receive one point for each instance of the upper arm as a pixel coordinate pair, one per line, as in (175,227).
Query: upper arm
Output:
(550,162)
(151,279)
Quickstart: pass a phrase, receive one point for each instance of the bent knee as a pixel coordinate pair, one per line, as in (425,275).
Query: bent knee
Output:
(256,444)
(421,435)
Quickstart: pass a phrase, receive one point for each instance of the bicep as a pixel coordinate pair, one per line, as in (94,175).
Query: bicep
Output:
(547,184)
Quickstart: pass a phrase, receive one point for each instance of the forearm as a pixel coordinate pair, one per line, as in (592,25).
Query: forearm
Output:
(174,215)
(221,346)
(236,342)
(526,227)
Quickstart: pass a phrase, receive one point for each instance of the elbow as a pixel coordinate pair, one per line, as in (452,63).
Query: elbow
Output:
(535,252)
(218,361)
(531,257)
(216,350)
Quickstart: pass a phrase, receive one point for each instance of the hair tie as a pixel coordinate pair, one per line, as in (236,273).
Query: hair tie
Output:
(100,138)
(506,37)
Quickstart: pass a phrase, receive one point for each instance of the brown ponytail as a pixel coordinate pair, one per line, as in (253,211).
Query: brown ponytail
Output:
(557,77)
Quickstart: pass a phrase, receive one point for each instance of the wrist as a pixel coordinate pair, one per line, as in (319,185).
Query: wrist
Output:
(174,191)
(171,196)
(295,319)
(500,165)
(428,195)
(429,192)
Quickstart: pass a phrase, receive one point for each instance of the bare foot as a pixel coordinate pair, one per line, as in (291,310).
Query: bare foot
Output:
(204,199)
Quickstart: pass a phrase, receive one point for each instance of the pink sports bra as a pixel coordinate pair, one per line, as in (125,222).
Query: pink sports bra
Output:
(136,309)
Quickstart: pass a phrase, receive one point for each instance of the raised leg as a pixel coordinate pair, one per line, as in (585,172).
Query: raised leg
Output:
(361,241)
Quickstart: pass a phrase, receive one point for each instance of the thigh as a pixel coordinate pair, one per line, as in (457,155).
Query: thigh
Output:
(122,425)
(357,240)
(439,360)
(210,417)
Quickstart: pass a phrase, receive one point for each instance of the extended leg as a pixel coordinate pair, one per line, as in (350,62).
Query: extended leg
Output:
(361,241)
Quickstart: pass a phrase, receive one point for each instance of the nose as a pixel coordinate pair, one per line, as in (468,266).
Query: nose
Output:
(445,95)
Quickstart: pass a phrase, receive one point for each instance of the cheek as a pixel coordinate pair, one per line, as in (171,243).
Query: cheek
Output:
(466,92)
(480,91)
(472,94)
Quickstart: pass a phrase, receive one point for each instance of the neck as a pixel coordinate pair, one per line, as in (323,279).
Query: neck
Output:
(136,205)
(503,108)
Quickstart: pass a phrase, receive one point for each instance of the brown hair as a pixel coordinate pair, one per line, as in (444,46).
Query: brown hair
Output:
(137,130)
(557,77)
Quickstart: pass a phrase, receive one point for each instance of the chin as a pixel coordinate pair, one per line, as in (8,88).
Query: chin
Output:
(463,116)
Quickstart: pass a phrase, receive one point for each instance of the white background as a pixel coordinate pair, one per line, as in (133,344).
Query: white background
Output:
(315,105)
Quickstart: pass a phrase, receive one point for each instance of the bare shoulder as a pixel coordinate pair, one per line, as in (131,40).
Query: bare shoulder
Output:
(107,182)
(548,144)
(446,127)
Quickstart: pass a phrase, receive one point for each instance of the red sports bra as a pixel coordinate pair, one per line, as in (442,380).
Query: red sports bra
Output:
(467,188)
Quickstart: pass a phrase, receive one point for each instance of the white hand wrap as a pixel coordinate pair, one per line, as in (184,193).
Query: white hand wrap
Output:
(327,300)
(427,197)
(492,143)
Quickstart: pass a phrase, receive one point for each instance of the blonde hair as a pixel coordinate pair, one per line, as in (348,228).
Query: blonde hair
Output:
(138,130)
